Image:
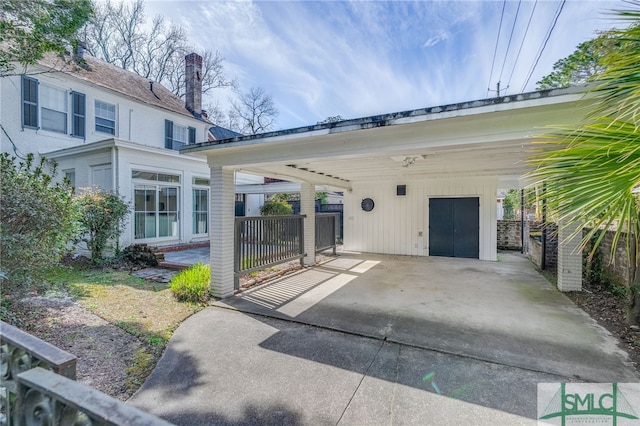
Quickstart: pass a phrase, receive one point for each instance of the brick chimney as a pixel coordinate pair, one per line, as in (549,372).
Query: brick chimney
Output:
(193,83)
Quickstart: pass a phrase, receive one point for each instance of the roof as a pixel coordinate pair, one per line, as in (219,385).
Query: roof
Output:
(220,133)
(396,118)
(102,74)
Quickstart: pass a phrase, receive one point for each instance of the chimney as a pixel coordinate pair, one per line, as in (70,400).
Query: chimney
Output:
(79,50)
(193,83)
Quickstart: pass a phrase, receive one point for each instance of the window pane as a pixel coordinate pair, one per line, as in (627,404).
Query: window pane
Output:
(54,120)
(105,117)
(179,133)
(53,98)
(200,181)
(53,109)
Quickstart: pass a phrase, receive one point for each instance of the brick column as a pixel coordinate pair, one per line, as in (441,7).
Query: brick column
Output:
(308,207)
(569,259)
(221,231)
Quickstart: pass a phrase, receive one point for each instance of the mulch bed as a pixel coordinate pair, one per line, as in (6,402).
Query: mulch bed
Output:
(610,312)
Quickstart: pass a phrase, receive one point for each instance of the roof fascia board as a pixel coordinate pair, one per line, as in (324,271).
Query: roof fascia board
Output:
(473,108)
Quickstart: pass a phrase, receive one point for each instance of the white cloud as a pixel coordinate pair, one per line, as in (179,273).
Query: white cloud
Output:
(432,41)
(353,59)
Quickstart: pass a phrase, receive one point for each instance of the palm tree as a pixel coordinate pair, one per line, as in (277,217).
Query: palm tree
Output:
(592,171)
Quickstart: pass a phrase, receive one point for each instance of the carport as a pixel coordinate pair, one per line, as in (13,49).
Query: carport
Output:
(420,182)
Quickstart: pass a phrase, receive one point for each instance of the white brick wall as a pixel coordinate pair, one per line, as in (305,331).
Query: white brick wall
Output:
(222,230)
(308,207)
(569,259)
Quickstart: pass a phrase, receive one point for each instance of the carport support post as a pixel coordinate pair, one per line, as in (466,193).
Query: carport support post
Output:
(569,258)
(308,208)
(221,232)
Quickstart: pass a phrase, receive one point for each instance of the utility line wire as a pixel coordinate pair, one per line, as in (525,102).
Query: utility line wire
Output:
(524,37)
(544,45)
(495,50)
(506,54)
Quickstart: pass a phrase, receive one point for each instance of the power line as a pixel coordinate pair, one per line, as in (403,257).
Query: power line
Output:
(506,54)
(524,37)
(495,50)
(544,45)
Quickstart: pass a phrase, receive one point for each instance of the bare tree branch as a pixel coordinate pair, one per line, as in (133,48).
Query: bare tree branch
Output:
(253,112)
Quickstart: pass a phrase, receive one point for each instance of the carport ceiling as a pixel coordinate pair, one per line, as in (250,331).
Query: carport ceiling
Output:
(481,138)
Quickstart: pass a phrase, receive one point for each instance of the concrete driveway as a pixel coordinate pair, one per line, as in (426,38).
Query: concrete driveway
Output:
(370,339)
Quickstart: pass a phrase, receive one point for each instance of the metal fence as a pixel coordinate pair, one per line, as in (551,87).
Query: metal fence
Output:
(264,241)
(327,227)
(38,387)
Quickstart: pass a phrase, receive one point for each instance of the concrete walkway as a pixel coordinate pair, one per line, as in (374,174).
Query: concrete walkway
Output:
(367,339)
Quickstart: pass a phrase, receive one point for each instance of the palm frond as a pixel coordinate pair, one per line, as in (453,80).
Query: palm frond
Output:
(590,174)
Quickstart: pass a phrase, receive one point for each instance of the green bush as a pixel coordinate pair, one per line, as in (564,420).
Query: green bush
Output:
(37,222)
(192,284)
(102,216)
(276,208)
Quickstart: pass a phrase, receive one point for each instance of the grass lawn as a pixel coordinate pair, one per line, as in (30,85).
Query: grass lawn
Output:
(142,308)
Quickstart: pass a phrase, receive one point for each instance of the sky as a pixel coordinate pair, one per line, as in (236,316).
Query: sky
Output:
(321,59)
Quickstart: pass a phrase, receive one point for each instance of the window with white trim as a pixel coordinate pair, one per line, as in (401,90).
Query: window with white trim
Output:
(200,208)
(53,109)
(176,135)
(105,118)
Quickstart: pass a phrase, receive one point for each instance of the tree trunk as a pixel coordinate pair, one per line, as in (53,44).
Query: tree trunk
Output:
(634,305)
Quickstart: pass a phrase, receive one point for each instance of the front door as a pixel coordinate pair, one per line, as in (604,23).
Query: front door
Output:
(454,227)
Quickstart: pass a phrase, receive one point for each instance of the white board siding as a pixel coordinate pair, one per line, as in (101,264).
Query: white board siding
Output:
(395,223)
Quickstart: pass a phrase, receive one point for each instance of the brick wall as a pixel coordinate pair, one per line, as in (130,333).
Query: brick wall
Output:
(509,235)
(620,271)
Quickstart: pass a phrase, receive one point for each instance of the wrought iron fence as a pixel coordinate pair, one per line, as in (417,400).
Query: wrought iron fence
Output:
(327,227)
(38,388)
(264,241)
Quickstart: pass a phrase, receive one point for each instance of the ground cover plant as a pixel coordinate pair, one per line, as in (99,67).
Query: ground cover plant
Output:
(192,284)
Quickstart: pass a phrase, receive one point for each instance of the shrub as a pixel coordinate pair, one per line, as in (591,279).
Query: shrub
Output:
(192,284)
(37,222)
(102,216)
(276,208)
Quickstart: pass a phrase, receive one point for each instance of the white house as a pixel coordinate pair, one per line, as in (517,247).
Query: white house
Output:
(420,182)
(111,128)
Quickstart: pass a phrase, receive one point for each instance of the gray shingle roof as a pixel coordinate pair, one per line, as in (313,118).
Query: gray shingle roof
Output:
(127,83)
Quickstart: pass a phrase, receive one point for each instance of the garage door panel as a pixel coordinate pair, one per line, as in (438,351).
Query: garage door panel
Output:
(441,227)
(454,227)
(466,228)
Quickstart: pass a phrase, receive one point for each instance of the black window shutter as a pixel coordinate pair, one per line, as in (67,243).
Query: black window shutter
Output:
(78,105)
(29,102)
(168,134)
(192,135)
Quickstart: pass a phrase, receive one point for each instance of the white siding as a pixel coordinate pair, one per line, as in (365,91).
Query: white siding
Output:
(400,224)
(135,121)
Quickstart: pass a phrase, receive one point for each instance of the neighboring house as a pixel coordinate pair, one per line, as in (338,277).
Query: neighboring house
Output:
(110,128)
(420,182)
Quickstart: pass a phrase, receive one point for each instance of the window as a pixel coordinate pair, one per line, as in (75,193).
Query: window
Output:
(47,107)
(71,175)
(200,211)
(53,109)
(156,205)
(29,102)
(176,136)
(105,118)
(78,109)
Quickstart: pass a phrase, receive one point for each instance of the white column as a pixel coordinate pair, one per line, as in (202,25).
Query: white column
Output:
(308,208)
(569,259)
(221,231)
